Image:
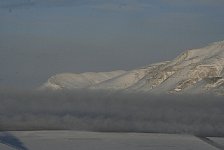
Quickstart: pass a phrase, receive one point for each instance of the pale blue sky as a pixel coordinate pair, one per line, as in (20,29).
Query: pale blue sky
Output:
(39,38)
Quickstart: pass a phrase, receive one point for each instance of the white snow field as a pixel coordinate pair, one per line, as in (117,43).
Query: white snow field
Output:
(194,71)
(79,140)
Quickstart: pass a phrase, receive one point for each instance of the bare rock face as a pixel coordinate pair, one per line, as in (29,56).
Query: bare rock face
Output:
(194,71)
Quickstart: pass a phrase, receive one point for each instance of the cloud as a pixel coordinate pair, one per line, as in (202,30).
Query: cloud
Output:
(117,7)
(102,111)
(112,5)
(107,4)
(201,2)
(16,3)
(31,3)
(131,5)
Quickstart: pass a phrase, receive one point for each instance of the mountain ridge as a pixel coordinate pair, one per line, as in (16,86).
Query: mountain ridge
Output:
(194,71)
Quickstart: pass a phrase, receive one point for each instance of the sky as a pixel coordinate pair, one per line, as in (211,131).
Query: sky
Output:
(40,38)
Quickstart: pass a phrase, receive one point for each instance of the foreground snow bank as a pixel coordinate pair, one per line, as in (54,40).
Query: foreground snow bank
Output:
(67,140)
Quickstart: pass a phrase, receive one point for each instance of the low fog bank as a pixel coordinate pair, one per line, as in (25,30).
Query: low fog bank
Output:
(201,115)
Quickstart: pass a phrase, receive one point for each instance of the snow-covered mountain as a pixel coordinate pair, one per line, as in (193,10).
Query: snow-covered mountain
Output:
(194,71)
(78,81)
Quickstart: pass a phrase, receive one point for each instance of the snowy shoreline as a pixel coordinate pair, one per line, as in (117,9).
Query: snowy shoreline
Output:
(84,140)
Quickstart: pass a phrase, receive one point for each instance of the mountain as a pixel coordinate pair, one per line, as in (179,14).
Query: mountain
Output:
(194,71)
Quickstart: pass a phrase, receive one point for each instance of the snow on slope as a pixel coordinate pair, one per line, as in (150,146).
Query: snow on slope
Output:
(125,80)
(77,81)
(194,71)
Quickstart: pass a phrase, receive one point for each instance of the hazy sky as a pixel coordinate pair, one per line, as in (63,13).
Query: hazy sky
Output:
(39,38)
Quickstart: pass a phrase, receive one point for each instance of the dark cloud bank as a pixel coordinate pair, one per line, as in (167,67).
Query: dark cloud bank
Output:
(100,111)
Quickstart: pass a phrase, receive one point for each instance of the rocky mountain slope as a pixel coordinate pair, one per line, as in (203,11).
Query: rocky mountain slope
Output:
(194,71)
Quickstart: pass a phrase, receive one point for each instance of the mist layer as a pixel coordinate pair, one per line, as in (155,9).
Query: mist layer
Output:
(101,111)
